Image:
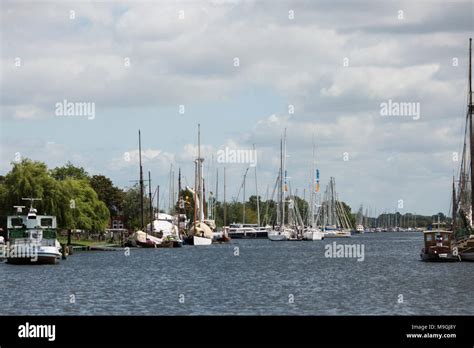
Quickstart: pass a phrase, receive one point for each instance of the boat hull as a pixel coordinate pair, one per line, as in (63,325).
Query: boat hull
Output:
(201,240)
(467,256)
(44,255)
(195,240)
(442,257)
(278,237)
(313,235)
(337,234)
(41,260)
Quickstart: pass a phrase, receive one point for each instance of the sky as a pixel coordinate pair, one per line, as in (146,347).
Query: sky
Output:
(245,71)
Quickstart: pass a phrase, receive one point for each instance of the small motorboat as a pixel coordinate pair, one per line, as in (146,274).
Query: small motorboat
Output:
(438,246)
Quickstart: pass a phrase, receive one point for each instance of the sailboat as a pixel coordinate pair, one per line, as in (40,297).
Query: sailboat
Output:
(462,200)
(282,232)
(142,238)
(200,232)
(360,220)
(312,232)
(332,215)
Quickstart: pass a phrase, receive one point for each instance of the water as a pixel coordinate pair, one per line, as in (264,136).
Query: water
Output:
(262,280)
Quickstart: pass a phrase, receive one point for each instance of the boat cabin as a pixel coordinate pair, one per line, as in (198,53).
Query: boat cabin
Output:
(438,246)
(31,226)
(438,239)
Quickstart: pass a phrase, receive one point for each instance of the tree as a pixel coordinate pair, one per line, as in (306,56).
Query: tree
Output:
(351,217)
(81,207)
(72,201)
(132,208)
(30,179)
(69,171)
(109,194)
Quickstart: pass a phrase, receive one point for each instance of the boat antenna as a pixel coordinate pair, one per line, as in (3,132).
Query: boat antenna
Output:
(31,201)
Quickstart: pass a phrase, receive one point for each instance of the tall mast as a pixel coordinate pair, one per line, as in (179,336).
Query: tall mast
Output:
(225,204)
(256,187)
(141,180)
(243,196)
(471,139)
(200,177)
(313,187)
(195,192)
(282,209)
(158,202)
(151,201)
(454,208)
(284,177)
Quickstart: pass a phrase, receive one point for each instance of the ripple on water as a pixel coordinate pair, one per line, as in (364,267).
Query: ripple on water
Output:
(267,278)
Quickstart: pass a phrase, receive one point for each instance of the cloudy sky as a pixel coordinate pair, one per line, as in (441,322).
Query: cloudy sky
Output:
(244,70)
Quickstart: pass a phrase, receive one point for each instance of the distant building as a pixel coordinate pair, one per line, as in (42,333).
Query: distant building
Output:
(117,222)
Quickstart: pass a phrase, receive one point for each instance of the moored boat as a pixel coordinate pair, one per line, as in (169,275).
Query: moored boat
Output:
(438,246)
(313,234)
(32,238)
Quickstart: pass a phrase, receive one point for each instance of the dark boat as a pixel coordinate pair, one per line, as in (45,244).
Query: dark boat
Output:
(463,202)
(438,247)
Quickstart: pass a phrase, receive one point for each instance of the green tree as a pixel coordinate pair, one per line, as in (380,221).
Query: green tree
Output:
(347,209)
(33,179)
(30,179)
(81,207)
(112,196)
(69,171)
(132,208)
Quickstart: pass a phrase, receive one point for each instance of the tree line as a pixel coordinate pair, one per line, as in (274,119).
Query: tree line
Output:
(88,202)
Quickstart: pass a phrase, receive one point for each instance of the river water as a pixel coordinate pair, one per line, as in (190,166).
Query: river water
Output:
(244,277)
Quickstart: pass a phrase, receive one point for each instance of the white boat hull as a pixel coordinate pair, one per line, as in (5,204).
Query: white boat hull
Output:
(201,241)
(277,237)
(34,254)
(313,235)
(337,234)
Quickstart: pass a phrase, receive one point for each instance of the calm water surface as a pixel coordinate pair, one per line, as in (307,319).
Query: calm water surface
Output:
(260,281)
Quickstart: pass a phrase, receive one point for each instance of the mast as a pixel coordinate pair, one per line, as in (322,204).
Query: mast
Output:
(158,202)
(312,187)
(256,187)
(454,208)
(243,196)
(200,184)
(141,180)
(151,201)
(282,209)
(471,139)
(195,192)
(284,177)
(217,195)
(225,204)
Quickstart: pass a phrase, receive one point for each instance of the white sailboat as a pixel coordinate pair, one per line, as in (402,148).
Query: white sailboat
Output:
(282,232)
(334,220)
(312,232)
(200,233)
